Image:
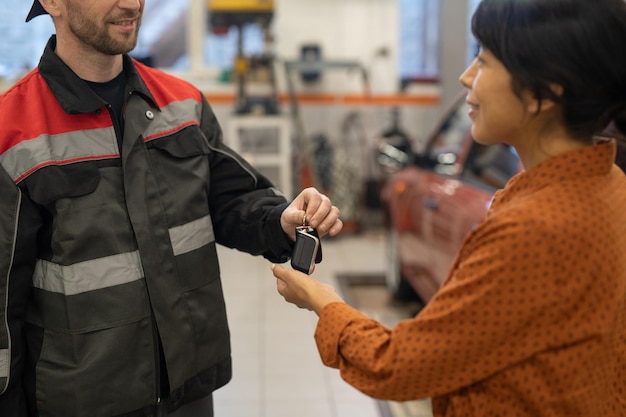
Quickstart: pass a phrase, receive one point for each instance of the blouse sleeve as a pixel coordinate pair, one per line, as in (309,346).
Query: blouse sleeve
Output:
(506,298)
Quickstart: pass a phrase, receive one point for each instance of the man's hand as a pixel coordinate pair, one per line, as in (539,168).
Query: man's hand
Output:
(314,209)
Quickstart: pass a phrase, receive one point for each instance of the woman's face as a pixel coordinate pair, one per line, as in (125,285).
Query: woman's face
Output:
(497,113)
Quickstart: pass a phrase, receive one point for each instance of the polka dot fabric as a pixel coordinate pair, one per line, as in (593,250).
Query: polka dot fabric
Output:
(531,318)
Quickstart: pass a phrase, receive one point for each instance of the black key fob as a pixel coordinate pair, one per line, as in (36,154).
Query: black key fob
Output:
(307,250)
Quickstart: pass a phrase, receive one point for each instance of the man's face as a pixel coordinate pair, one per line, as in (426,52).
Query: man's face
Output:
(108,26)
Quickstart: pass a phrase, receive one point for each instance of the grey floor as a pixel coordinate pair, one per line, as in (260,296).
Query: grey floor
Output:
(276,368)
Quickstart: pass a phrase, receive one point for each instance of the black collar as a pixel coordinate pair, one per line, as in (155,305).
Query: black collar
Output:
(72,93)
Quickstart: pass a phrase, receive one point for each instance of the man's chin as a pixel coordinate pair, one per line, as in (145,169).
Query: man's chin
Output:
(119,48)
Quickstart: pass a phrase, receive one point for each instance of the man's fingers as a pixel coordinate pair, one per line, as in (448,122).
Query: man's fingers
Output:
(336,228)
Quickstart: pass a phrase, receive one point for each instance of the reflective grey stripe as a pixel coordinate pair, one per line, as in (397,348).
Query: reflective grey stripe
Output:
(27,156)
(4,363)
(191,236)
(117,269)
(175,116)
(88,276)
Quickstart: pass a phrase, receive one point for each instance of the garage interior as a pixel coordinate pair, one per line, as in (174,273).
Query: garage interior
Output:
(307,92)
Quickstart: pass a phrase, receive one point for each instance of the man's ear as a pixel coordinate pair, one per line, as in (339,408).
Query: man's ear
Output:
(51,6)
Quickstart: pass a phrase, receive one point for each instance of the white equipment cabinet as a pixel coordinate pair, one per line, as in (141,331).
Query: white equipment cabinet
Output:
(265,142)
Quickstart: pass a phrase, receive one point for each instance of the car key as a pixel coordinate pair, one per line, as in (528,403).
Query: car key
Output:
(307,250)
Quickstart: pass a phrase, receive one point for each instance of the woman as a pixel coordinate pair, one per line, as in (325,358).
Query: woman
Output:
(531,320)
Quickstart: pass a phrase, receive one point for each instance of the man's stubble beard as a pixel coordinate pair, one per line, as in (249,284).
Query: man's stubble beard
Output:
(99,39)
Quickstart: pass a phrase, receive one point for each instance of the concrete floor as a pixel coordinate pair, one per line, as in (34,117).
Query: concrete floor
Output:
(276,368)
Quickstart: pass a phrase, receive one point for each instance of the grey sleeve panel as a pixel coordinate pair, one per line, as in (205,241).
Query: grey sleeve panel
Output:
(9,209)
(20,222)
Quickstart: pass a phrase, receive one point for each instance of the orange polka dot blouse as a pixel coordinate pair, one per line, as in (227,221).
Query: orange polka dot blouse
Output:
(531,318)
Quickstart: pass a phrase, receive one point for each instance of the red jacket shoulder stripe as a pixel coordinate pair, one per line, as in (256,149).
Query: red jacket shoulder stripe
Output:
(166,88)
(30,110)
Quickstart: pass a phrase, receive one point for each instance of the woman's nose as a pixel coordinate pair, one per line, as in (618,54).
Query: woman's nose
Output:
(467,77)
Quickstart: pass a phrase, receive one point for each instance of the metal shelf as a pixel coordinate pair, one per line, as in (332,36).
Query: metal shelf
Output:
(265,142)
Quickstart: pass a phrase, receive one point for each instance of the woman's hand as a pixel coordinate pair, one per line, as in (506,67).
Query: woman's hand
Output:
(314,209)
(304,291)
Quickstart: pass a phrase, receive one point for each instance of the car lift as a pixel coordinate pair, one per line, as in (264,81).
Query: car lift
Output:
(227,13)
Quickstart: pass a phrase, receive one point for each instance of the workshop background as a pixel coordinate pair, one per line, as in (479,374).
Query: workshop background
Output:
(308,91)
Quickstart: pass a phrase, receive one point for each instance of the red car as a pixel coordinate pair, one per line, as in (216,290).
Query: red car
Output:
(434,202)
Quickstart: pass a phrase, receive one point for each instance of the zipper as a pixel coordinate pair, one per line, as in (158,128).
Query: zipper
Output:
(156,342)
(116,127)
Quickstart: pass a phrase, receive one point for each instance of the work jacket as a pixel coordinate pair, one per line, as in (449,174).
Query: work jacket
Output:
(110,291)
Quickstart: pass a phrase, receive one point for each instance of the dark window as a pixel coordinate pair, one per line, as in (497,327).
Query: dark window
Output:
(419,39)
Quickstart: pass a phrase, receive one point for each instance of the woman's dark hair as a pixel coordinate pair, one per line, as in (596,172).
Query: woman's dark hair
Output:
(579,45)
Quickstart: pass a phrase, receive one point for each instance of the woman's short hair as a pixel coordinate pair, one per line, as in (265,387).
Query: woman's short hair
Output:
(579,45)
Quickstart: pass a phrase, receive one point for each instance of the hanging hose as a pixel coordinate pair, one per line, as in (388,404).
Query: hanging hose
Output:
(346,181)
